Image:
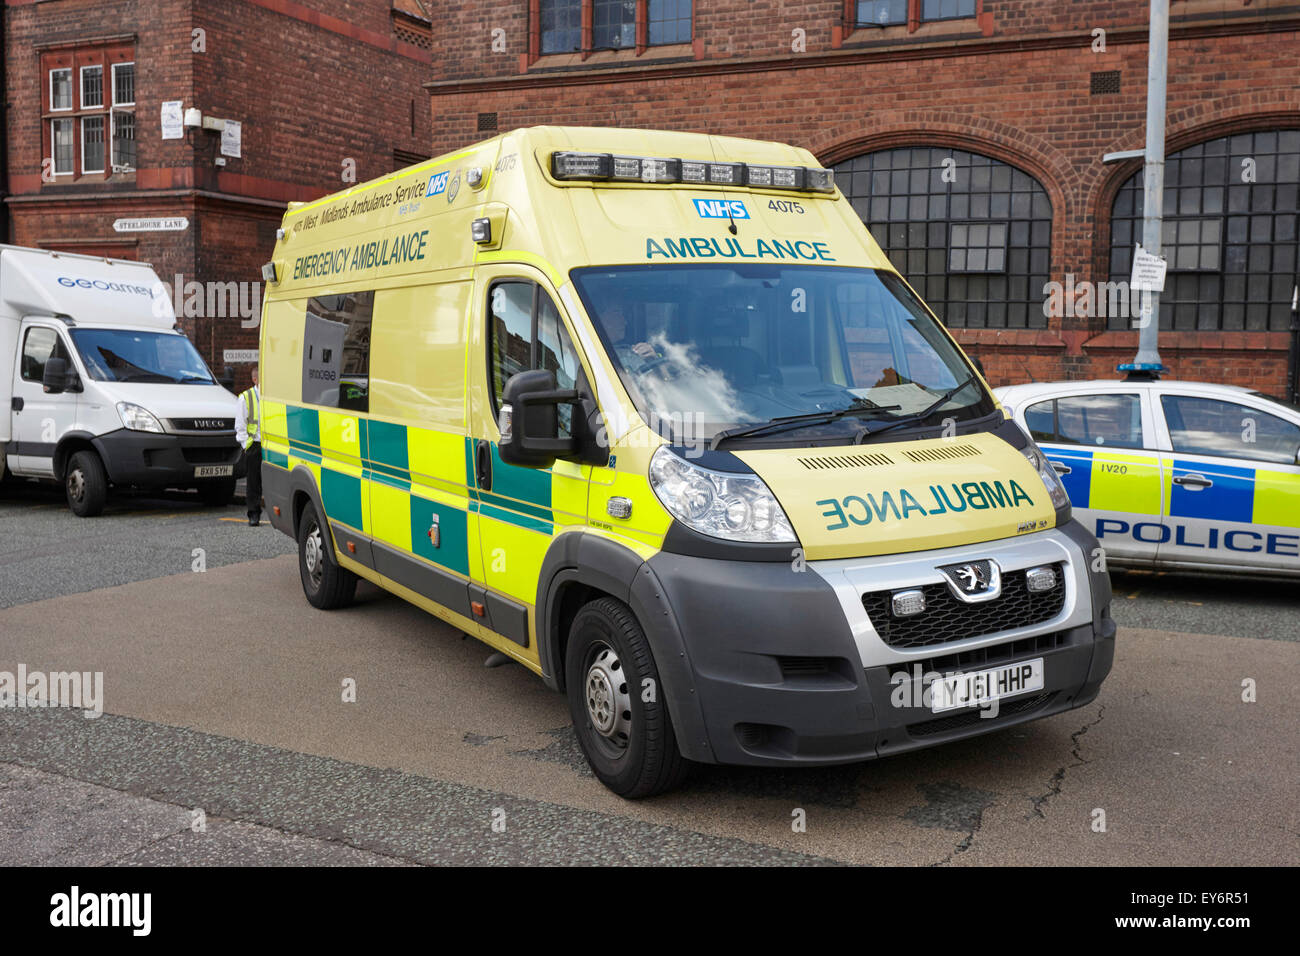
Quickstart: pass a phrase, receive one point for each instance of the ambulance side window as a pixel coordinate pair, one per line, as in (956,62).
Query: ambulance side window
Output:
(517,309)
(336,350)
(1204,426)
(39,346)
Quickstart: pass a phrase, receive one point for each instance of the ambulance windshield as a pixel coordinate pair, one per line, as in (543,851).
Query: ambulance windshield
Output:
(705,348)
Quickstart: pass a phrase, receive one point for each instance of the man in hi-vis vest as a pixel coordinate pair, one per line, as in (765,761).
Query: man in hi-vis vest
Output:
(248,430)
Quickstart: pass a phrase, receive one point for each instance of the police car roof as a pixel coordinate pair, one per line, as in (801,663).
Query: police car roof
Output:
(1033,389)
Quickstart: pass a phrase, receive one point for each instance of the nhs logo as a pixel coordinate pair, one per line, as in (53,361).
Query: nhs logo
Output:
(437,184)
(721,209)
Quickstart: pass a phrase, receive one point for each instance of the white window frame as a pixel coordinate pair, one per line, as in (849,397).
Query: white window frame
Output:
(112,138)
(115,103)
(54,150)
(81,89)
(72,99)
(103,144)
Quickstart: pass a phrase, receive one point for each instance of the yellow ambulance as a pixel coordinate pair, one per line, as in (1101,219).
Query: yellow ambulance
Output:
(652,414)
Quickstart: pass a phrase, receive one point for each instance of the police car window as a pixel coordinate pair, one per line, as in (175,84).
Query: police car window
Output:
(1041,419)
(1206,426)
(40,346)
(336,351)
(1110,421)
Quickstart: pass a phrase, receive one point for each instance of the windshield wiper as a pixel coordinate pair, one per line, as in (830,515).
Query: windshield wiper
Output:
(206,380)
(921,415)
(787,422)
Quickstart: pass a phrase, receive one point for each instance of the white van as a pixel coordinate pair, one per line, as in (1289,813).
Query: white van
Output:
(101,388)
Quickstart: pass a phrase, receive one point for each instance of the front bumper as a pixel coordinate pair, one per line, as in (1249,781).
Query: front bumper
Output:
(785,667)
(152,460)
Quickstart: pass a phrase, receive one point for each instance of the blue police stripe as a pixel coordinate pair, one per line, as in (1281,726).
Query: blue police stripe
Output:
(1230,498)
(1078,483)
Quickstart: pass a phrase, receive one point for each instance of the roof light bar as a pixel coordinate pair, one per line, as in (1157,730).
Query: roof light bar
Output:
(570,166)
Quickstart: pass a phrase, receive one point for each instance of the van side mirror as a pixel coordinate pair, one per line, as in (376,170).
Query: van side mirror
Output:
(529,420)
(58,377)
(227,379)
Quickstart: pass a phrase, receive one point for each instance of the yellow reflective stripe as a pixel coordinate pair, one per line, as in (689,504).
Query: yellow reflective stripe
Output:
(390,515)
(1125,482)
(340,436)
(1277,498)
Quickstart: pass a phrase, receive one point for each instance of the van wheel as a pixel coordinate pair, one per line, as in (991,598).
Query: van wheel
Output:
(628,742)
(326,585)
(217,493)
(86,484)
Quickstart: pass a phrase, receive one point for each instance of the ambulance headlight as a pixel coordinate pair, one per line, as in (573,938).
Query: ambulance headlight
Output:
(1051,481)
(138,419)
(716,503)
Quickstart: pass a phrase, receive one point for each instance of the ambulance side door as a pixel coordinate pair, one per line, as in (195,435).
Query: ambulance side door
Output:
(519,510)
(1103,446)
(1232,484)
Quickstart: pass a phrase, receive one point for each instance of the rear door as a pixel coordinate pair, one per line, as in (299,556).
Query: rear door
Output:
(1103,446)
(39,418)
(1232,484)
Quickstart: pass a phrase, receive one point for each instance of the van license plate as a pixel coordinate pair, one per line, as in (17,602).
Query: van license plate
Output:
(981,687)
(214,471)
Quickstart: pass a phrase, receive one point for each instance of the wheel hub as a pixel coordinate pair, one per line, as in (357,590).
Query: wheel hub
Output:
(76,485)
(609,706)
(313,555)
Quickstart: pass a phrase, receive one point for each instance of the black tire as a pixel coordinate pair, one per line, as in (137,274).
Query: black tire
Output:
(218,492)
(85,483)
(634,753)
(326,585)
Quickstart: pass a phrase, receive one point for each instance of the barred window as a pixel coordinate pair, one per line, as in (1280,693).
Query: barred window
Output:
(670,21)
(972,234)
(561,26)
(613,24)
(64,150)
(123,140)
(1231,210)
(92,87)
(92,144)
(123,84)
(881,13)
(61,89)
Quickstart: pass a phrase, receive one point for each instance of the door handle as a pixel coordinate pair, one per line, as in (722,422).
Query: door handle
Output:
(1061,469)
(1193,481)
(483,465)
(16,403)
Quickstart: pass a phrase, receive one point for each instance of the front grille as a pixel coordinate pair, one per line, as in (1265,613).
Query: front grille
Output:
(966,718)
(946,618)
(215,455)
(203,424)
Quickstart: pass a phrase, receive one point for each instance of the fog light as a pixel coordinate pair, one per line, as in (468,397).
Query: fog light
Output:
(1040,579)
(908,603)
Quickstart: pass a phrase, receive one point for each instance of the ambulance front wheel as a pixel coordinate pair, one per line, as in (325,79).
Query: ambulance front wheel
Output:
(617,703)
(326,585)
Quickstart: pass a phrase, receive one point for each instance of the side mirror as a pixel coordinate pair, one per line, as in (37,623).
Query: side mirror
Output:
(227,379)
(57,377)
(529,420)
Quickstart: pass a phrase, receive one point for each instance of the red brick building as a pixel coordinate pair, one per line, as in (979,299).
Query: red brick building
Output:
(969,135)
(325,92)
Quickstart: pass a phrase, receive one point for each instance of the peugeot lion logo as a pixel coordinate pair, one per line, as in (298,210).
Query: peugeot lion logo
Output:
(974,581)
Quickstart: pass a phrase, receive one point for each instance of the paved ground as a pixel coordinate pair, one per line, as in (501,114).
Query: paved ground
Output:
(204,713)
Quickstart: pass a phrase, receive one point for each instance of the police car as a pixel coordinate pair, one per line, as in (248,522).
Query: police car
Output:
(1173,474)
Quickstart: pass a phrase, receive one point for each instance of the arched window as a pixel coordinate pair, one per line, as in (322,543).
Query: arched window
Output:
(972,234)
(1229,233)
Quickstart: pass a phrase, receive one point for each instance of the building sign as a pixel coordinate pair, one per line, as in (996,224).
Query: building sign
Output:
(232,136)
(171,224)
(173,123)
(1148,271)
(233,356)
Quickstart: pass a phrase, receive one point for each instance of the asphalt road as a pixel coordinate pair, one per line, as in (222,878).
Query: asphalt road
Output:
(223,705)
